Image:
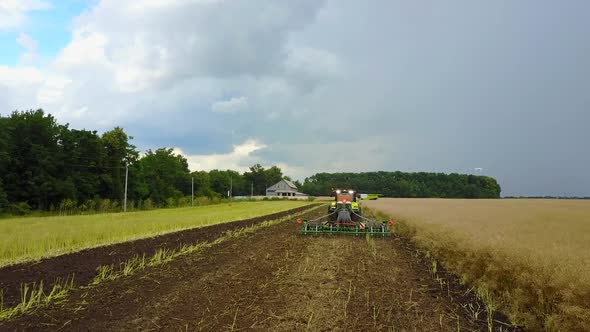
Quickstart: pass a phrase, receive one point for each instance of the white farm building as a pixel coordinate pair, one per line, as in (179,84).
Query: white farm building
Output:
(284,188)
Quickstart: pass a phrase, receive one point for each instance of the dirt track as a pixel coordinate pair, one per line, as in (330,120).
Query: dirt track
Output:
(273,279)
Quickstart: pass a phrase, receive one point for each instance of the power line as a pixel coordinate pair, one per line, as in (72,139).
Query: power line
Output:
(92,166)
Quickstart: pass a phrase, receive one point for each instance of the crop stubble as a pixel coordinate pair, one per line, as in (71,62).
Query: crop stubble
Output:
(529,257)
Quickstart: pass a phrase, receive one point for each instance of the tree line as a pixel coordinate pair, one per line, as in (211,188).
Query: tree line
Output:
(48,166)
(400,184)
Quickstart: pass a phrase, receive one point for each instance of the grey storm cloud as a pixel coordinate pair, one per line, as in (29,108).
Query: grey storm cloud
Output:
(337,85)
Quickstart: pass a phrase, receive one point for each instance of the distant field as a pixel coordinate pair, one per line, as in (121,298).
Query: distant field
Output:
(532,255)
(25,239)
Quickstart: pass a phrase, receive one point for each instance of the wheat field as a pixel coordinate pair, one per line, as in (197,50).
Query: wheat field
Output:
(533,255)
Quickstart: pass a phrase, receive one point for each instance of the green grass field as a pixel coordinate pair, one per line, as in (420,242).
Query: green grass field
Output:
(28,239)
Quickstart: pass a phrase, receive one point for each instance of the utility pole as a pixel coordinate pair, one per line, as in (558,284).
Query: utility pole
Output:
(126,176)
(193,191)
(252,190)
(231,185)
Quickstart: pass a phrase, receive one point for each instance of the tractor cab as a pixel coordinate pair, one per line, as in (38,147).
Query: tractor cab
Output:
(344,204)
(345,196)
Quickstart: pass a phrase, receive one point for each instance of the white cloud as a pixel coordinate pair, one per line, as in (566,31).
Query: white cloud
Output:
(20,77)
(24,5)
(159,4)
(239,159)
(144,59)
(28,87)
(230,106)
(18,86)
(30,45)
(27,42)
(85,49)
(155,43)
(175,56)
(13,13)
(52,89)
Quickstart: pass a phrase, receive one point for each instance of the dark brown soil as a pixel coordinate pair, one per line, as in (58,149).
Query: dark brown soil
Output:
(83,264)
(276,280)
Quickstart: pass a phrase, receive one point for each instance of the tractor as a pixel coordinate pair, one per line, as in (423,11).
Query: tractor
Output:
(345,217)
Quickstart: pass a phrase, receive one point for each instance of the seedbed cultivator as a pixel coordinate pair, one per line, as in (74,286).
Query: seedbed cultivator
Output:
(345,217)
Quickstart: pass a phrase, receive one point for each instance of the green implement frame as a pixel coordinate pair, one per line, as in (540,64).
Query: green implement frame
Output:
(345,218)
(327,228)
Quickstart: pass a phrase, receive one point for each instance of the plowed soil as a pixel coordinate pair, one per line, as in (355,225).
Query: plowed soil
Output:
(82,264)
(275,280)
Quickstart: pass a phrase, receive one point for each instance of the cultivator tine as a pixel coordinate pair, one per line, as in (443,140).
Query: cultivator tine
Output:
(328,228)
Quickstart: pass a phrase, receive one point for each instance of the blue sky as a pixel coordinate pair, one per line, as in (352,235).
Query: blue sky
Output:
(447,86)
(51,28)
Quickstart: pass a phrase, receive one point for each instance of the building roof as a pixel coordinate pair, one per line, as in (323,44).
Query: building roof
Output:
(289,183)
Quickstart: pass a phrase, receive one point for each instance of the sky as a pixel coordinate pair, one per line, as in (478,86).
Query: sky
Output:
(499,88)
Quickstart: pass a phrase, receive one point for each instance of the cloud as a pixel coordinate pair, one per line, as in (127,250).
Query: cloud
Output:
(239,159)
(13,13)
(30,45)
(86,49)
(310,66)
(27,42)
(147,43)
(27,87)
(18,86)
(230,106)
(20,77)
(329,85)
(140,60)
(52,91)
